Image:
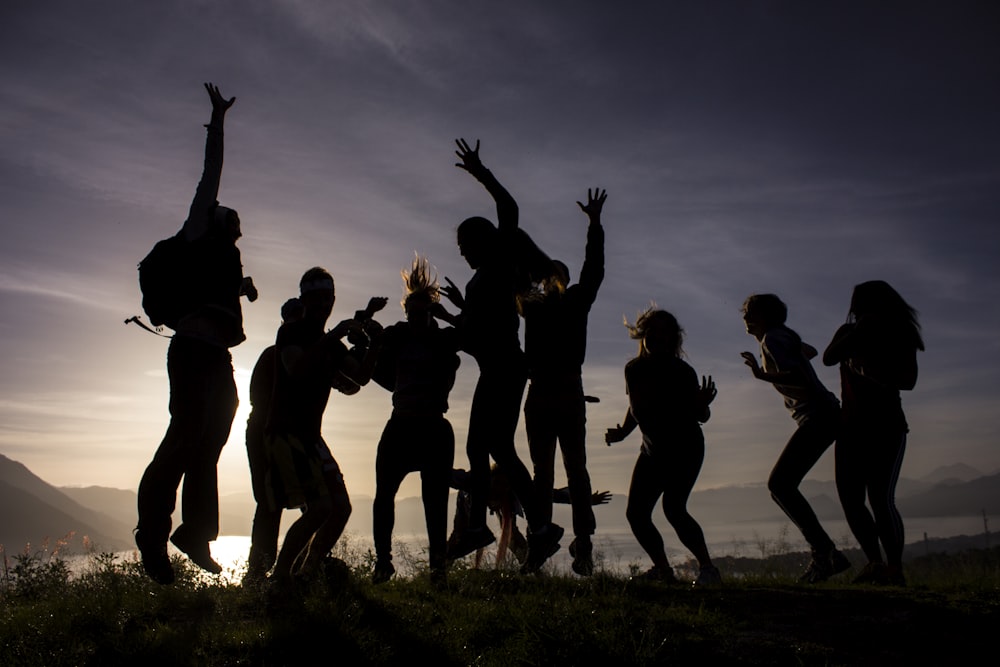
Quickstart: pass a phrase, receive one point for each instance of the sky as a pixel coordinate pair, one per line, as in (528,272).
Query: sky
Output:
(746,147)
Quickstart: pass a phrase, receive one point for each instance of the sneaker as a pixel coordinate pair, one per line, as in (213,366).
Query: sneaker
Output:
(383,571)
(541,546)
(839,562)
(469,541)
(581,550)
(708,576)
(663,575)
(894,576)
(197,551)
(824,565)
(873,573)
(155,561)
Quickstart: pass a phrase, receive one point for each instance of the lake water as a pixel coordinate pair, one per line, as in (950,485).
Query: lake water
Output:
(619,549)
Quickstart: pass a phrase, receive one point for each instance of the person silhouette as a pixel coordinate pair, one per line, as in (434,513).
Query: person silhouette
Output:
(668,405)
(785,365)
(507,508)
(266,521)
(302,472)
(555,344)
(417,363)
(203,396)
(877,353)
(506,262)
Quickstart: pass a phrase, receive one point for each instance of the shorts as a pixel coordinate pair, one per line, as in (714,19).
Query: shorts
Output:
(298,473)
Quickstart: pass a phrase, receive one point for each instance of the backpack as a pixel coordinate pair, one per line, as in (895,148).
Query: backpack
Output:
(162,281)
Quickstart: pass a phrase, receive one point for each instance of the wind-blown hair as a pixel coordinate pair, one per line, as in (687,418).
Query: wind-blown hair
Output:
(654,317)
(876,298)
(419,283)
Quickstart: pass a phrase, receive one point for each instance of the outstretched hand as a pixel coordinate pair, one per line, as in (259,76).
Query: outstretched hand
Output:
(375,304)
(219,103)
(615,434)
(600,498)
(595,202)
(707,392)
(469,156)
(453,293)
(750,359)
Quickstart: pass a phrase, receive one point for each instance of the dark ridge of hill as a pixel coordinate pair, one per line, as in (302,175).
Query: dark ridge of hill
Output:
(119,504)
(43,523)
(955,499)
(33,510)
(959,472)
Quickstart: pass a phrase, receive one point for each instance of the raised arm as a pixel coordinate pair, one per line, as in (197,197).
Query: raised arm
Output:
(592,274)
(206,196)
(507,212)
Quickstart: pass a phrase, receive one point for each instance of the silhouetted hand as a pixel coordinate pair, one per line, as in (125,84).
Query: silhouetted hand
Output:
(750,359)
(220,105)
(453,293)
(600,498)
(375,304)
(469,157)
(708,391)
(595,202)
(343,328)
(248,289)
(615,434)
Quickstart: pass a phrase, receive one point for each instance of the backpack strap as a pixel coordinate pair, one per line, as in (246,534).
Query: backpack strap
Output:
(135,319)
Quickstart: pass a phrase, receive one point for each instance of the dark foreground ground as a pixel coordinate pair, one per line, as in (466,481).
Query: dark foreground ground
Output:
(950,614)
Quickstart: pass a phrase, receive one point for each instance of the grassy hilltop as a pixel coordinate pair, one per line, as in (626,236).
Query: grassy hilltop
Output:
(111,614)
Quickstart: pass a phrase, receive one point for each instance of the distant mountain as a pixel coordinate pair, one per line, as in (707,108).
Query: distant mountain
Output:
(32,511)
(957,472)
(951,498)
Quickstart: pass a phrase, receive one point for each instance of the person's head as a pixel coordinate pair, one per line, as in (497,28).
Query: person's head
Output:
(558,281)
(227,222)
(876,298)
(317,294)
(422,292)
(658,333)
(292,310)
(476,240)
(763,312)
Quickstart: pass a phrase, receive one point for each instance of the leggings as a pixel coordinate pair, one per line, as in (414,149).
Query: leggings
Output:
(672,476)
(868,461)
(424,443)
(810,440)
(496,406)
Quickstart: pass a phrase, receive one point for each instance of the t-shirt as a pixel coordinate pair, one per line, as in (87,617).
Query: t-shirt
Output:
(781,351)
(299,401)
(664,400)
(418,366)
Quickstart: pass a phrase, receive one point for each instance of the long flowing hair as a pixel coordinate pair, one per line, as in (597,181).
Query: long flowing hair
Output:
(877,298)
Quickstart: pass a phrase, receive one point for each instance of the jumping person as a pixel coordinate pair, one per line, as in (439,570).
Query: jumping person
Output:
(200,370)
(266,521)
(302,472)
(785,365)
(877,353)
(668,405)
(555,344)
(505,262)
(417,363)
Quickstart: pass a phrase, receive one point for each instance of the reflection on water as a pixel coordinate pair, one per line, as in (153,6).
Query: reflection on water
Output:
(615,545)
